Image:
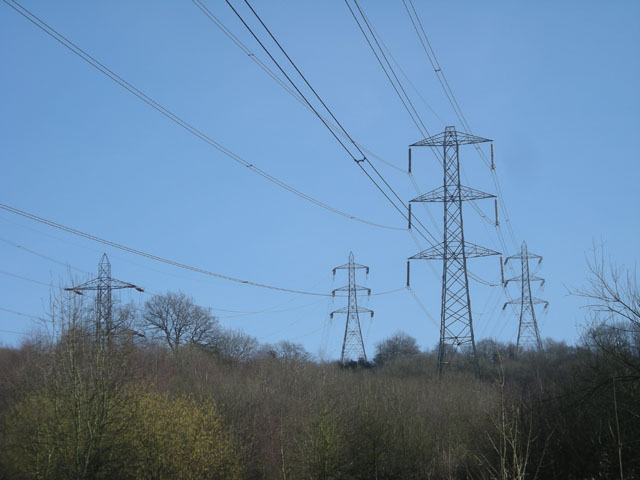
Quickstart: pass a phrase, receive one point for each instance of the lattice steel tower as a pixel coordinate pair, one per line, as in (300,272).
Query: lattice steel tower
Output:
(103,285)
(352,345)
(456,324)
(528,333)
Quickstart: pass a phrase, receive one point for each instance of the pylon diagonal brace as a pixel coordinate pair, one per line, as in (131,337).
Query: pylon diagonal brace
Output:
(437,252)
(466,194)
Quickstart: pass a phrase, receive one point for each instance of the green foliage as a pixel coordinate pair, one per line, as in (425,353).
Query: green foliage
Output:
(152,436)
(179,438)
(323,446)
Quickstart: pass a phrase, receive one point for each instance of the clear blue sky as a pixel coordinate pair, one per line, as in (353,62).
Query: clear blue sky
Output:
(555,84)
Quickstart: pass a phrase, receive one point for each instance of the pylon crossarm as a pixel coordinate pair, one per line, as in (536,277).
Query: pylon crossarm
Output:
(353,310)
(95,285)
(444,138)
(472,250)
(536,301)
(518,301)
(513,279)
(453,251)
(519,256)
(358,288)
(346,267)
(466,194)
(519,279)
(71,289)
(355,287)
(90,285)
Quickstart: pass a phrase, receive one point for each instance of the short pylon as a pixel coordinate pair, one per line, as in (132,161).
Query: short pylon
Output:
(352,345)
(103,285)
(528,332)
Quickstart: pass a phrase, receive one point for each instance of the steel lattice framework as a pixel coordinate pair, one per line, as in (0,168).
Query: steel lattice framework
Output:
(103,285)
(528,333)
(456,325)
(352,345)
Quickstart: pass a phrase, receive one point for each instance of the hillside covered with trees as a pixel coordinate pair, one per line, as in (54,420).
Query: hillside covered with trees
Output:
(165,392)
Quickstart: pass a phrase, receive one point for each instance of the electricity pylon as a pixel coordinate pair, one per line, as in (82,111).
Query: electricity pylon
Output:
(352,345)
(456,324)
(103,285)
(528,333)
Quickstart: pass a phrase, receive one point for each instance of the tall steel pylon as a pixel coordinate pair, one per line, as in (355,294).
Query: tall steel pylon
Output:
(103,285)
(528,332)
(456,324)
(352,345)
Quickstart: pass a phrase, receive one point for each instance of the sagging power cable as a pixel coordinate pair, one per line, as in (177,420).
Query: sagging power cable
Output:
(75,49)
(358,156)
(156,258)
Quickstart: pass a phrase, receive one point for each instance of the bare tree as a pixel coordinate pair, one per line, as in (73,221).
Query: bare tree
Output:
(67,420)
(614,301)
(397,346)
(234,345)
(286,351)
(179,321)
(612,291)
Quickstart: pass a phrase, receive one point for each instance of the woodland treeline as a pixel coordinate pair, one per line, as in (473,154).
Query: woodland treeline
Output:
(164,393)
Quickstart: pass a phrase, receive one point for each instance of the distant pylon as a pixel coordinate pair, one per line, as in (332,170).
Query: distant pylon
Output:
(103,285)
(352,345)
(456,324)
(528,333)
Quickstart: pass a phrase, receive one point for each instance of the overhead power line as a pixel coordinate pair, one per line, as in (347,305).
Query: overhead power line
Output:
(388,69)
(358,156)
(26,279)
(422,307)
(239,313)
(336,130)
(175,118)
(380,55)
(156,258)
(150,256)
(397,86)
(66,265)
(33,317)
(13,331)
(250,54)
